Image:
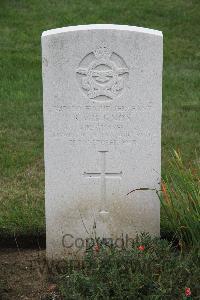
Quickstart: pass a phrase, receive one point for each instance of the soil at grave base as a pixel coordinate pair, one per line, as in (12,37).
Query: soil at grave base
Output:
(23,275)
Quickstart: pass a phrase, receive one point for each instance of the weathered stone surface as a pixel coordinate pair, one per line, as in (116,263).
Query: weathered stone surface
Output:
(102,128)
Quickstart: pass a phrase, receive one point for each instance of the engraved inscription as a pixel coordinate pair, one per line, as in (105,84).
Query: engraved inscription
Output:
(103,175)
(101,125)
(102,74)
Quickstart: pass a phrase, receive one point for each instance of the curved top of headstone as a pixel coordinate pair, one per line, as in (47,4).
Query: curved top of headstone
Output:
(101,26)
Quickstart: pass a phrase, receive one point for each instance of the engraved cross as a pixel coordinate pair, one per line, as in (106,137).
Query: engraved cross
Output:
(103,175)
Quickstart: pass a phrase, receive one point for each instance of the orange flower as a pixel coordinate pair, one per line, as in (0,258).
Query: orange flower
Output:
(141,248)
(188,292)
(164,191)
(96,248)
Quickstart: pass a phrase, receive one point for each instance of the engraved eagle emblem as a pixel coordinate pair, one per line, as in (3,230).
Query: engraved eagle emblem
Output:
(102,73)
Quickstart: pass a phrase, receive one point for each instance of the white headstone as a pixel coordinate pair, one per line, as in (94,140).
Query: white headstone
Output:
(102,89)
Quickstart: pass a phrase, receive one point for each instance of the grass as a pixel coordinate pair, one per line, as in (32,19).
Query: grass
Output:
(180,200)
(21,134)
(154,271)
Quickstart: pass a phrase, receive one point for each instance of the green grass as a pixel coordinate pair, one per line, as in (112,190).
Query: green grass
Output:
(157,272)
(180,203)
(21,128)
